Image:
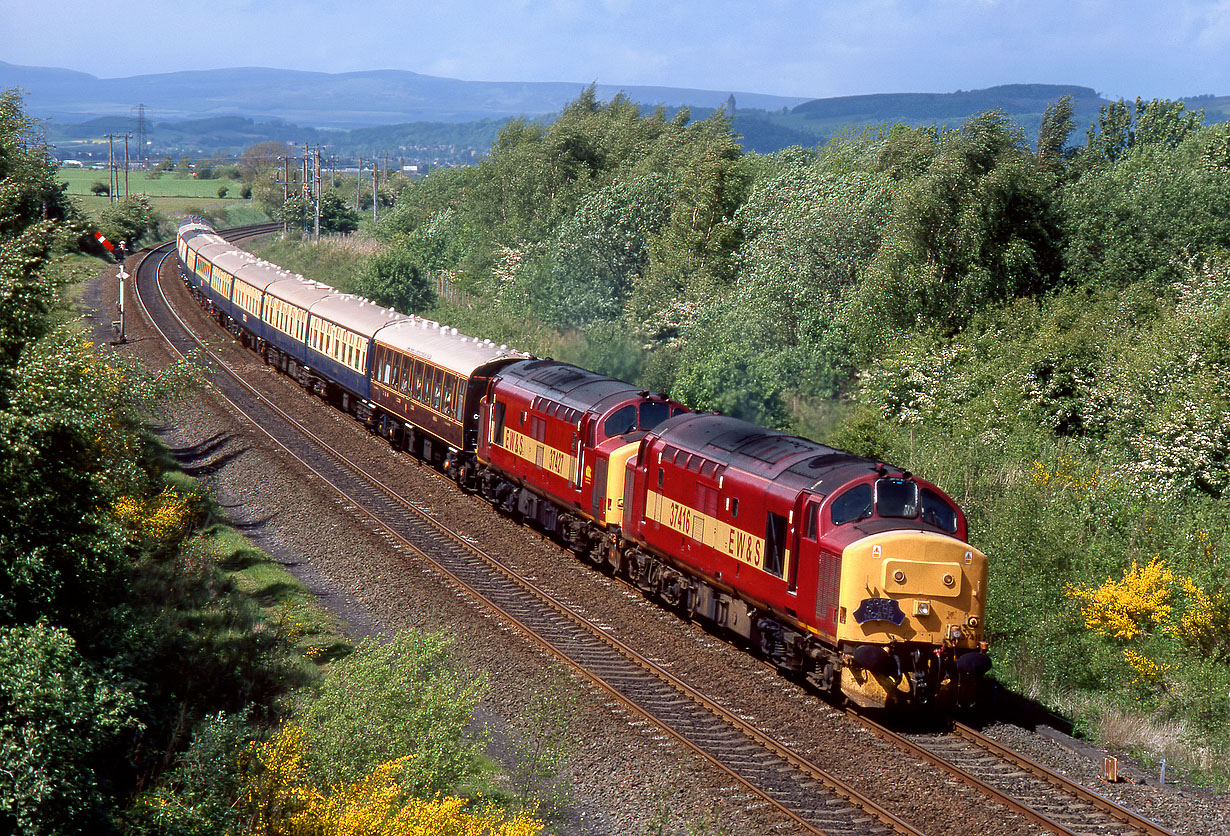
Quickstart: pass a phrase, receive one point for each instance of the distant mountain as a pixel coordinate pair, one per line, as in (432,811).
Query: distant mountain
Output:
(444,121)
(1011,98)
(326,100)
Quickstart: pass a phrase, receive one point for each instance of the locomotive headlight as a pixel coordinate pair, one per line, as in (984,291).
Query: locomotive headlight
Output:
(922,608)
(899,576)
(972,621)
(949,580)
(955,633)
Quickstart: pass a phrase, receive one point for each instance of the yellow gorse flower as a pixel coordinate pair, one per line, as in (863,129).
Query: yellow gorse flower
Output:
(1147,671)
(286,802)
(166,517)
(1206,621)
(1124,608)
(1064,477)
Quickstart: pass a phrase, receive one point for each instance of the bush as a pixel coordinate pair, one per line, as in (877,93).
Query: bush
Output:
(394,279)
(59,739)
(402,697)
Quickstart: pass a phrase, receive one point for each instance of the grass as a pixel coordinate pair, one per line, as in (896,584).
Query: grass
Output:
(336,261)
(171,195)
(286,605)
(79,181)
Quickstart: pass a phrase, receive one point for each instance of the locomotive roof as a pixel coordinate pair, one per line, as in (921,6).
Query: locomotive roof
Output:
(569,385)
(356,313)
(787,459)
(444,346)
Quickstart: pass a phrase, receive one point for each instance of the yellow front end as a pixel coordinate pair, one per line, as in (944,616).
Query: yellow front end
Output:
(911,603)
(616,473)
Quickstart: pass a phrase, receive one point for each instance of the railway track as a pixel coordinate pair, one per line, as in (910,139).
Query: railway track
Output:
(1027,788)
(801,791)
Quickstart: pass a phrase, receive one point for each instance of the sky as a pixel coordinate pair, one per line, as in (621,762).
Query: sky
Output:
(810,49)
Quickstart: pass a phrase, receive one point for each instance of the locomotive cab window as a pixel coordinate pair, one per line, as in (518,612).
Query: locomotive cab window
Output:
(854,504)
(621,421)
(653,413)
(896,498)
(937,512)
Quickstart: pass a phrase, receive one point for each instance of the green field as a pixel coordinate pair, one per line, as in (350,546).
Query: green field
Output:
(172,195)
(79,181)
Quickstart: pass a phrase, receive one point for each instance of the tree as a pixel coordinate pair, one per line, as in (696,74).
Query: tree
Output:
(976,227)
(600,251)
(394,279)
(1120,127)
(129,219)
(1053,133)
(100,188)
(336,215)
(1142,217)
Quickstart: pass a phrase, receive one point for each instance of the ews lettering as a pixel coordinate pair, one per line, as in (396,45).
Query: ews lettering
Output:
(743,546)
(514,442)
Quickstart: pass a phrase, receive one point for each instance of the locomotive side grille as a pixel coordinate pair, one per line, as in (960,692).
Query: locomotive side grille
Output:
(828,588)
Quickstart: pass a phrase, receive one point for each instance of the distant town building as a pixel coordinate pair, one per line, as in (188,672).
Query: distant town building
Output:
(730,106)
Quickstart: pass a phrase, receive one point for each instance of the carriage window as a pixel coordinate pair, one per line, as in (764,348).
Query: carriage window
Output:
(938,512)
(461,399)
(854,504)
(654,413)
(621,421)
(896,498)
(437,384)
(447,403)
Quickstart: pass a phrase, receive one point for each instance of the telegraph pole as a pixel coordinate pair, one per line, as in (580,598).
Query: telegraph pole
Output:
(112,184)
(285,192)
(316,185)
(375,190)
(358,189)
(126,136)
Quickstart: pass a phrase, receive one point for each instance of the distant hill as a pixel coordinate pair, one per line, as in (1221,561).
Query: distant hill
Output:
(443,121)
(326,100)
(1024,102)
